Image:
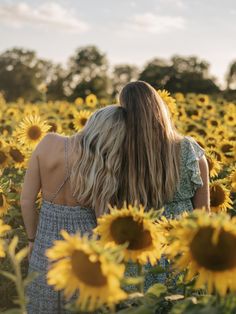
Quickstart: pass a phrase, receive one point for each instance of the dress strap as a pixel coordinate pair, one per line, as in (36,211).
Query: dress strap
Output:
(67,172)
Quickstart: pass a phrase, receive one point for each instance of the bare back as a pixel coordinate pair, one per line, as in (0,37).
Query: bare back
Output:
(49,161)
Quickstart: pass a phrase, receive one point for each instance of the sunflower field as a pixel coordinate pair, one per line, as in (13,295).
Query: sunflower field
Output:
(192,257)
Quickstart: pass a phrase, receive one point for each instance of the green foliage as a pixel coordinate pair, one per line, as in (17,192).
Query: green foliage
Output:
(22,75)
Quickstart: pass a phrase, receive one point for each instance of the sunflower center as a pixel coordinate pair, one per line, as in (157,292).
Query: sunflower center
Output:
(217,195)
(34,132)
(215,257)
(227,148)
(83,121)
(53,127)
(16,155)
(126,229)
(3,157)
(214,122)
(201,132)
(88,272)
(71,126)
(1,199)
(218,156)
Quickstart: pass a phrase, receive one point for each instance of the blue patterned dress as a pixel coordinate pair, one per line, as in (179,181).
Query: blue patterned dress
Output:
(53,217)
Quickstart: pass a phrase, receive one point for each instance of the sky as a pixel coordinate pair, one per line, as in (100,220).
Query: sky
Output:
(128,31)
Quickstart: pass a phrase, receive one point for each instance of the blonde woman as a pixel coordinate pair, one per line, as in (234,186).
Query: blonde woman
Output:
(77,176)
(160,167)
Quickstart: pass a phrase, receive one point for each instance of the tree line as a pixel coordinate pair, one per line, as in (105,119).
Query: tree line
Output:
(23,74)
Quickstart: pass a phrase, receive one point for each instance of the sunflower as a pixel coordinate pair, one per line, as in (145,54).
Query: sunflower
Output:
(169,101)
(233,179)
(179,97)
(31,110)
(210,108)
(103,102)
(197,115)
(31,130)
(202,100)
(91,100)
(213,164)
(81,118)
(4,206)
(13,113)
(204,244)
(79,101)
(211,141)
(230,119)
(217,154)
(2,142)
(134,226)
(227,148)
(221,131)
(3,229)
(80,264)
(219,197)
(4,160)
(18,155)
(213,122)
(54,127)
(201,131)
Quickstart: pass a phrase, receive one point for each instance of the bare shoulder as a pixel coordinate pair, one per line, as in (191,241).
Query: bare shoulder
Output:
(203,164)
(203,161)
(49,142)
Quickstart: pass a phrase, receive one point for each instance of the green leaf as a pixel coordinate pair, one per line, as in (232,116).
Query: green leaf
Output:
(8,275)
(12,311)
(32,275)
(137,310)
(22,254)
(12,245)
(132,280)
(155,270)
(157,290)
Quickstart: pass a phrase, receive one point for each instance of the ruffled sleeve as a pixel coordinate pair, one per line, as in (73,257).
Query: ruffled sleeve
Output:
(193,153)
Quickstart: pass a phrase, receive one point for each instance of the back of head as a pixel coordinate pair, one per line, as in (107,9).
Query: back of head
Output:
(95,173)
(150,167)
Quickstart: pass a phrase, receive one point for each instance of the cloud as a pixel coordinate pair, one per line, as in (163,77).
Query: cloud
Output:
(155,23)
(177,3)
(49,14)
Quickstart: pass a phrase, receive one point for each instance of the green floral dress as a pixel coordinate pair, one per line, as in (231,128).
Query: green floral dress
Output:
(190,181)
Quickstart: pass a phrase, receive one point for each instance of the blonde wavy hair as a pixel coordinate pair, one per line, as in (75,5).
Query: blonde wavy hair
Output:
(96,171)
(150,165)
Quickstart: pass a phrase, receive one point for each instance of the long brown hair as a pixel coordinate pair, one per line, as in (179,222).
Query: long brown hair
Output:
(150,165)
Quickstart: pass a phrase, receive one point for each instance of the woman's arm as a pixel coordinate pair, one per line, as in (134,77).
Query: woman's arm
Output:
(30,189)
(202,195)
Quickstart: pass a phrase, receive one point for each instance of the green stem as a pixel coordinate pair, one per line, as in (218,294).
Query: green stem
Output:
(19,285)
(141,274)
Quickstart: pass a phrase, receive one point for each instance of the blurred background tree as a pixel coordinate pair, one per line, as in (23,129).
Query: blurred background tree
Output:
(20,74)
(121,75)
(23,74)
(180,75)
(87,73)
(231,76)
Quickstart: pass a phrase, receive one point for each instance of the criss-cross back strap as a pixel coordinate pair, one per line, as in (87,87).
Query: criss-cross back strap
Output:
(67,172)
